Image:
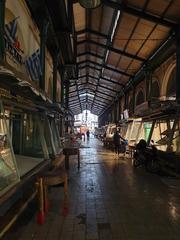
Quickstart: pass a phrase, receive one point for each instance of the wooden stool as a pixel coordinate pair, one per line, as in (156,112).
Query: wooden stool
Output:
(68,151)
(49,178)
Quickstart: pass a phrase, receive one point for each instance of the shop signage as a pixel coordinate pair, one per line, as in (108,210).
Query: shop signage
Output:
(13,51)
(12,45)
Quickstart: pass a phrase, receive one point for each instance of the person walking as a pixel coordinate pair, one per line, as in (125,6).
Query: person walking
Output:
(87,134)
(116,142)
(119,143)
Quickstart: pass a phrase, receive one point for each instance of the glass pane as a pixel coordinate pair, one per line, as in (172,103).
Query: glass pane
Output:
(56,136)
(8,169)
(34,144)
(160,135)
(176,139)
(123,130)
(147,129)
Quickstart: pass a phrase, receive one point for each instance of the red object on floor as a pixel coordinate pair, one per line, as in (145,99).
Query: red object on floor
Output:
(46,206)
(65,211)
(41,218)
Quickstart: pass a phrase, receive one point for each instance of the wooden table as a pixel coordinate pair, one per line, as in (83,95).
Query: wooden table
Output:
(131,150)
(68,151)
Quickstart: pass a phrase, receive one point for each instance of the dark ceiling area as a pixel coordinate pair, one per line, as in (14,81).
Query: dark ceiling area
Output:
(105,50)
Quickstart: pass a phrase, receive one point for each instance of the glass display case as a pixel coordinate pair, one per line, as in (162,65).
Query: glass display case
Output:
(33,142)
(165,135)
(8,169)
(28,140)
(123,129)
(137,129)
(56,135)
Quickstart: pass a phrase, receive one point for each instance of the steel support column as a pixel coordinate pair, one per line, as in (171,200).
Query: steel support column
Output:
(62,90)
(55,65)
(2,19)
(126,100)
(178,67)
(66,104)
(134,98)
(43,37)
(115,111)
(148,85)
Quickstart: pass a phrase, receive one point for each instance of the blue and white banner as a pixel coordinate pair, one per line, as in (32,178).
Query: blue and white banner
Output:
(10,30)
(34,66)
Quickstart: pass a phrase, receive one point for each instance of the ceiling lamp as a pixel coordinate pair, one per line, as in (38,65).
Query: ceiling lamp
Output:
(90,3)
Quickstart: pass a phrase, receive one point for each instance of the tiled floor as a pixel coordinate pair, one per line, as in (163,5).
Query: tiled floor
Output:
(108,199)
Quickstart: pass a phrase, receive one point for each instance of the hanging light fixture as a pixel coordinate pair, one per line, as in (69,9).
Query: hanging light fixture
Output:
(90,3)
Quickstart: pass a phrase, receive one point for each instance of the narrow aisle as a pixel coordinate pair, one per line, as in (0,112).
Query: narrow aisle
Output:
(108,199)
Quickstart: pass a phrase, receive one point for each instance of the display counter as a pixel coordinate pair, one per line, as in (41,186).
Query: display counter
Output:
(26,164)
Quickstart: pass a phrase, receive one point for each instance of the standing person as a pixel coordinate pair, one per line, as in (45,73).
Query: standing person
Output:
(116,141)
(119,143)
(83,136)
(87,134)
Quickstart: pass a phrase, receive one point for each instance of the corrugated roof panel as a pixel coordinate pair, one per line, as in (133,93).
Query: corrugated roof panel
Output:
(113,59)
(92,80)
(106,19)
(94,72)
(116,76)
(107,73)
(124,30)
(134,67)
(158,7)
(81,48)
(81,58)
(124,79)
(173,12)
(156,38)
(98,50)
(97,38)
(81,37)
(107,91)
(135,3)
(79,17)
(124,63)
(96,15)
(141,33)
(115,85)
(101,19)
(82,72)
(95,59)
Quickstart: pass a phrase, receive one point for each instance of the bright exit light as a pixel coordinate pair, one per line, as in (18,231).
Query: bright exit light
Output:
(86,94)
(86,118)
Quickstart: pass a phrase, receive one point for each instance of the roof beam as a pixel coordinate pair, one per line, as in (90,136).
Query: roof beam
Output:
(139,13)
(91,90)
(102,93)
(88,30)
(98,85)
(102,78)
(73,97)
(74,101)
(95,107)
(97,69)
(90,53)
(97,110)
(105,99)
(100,103)
(103,103)
(98,106)
(76,110)
(75,105)
(105,66)
(118,51)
